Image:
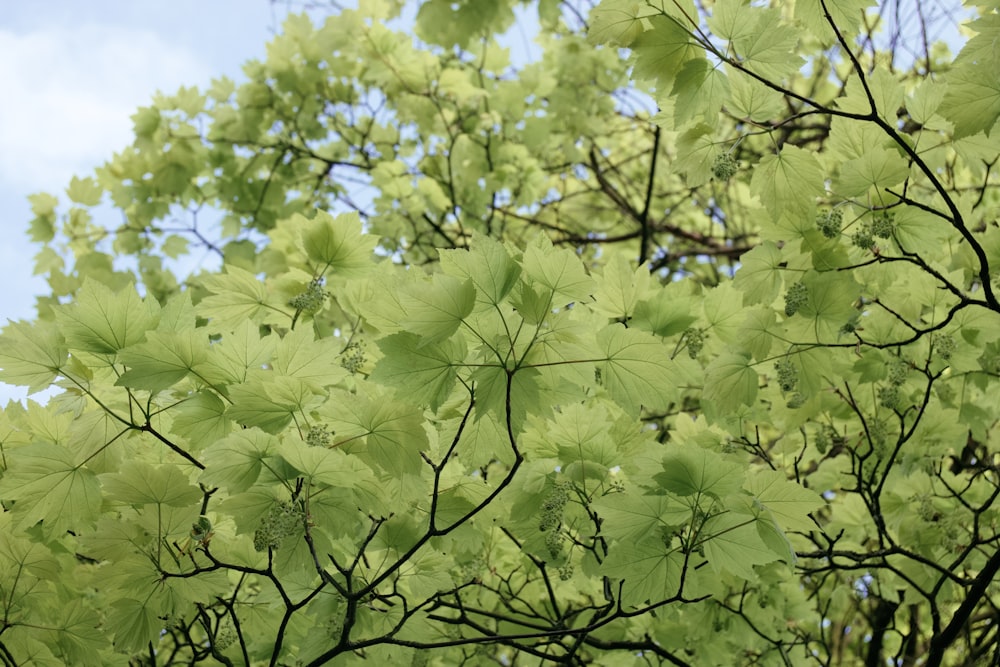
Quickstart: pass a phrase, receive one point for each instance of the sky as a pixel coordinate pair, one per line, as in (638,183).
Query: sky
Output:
(72,73)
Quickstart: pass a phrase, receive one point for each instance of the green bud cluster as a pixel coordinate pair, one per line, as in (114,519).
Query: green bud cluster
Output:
(552,507)
(312,299)
(797,400)
(863,238)
(318,436)
(472,570)
(788,374)
(554,542)
(882,224)
(724,167)
(566,572)
(353,357)
(281,521)
(826,437)
(945,346)
(898,371)
(173,621)
(796,297)
(225,635)
(694,339)
(878,431)
(888,396)
(829,223)
(925,507)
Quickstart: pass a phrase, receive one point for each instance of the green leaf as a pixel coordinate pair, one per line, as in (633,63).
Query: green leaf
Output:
(163,359)
(760,331)
(134,624)
(201,418)
(237,354)
(972,97)
(730,382)
(102,321)
(383,431)
(328,467)
(84,191)
(615,22)
(49,486)
(77,633)
(235,462)
(559,270)
(648,570)
(829,307)
(878,168)
(138,483)
(629,517)
(789,182)
(662,51)
(846,15)
(689,470)
(765,43)
(488,265)
(732,543)
(699,92)
(337,243)
(638,372)
(667,312)
(314,361)
(620,287)
(268,402)
(424,371)
(237,297)
(436,310)
(748,99)
(42,226)
(759,276)
(723,312)
(789,503)
(696,151)
(31,355)
(732,19)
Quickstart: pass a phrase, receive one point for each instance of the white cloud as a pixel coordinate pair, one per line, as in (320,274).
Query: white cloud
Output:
(70,93)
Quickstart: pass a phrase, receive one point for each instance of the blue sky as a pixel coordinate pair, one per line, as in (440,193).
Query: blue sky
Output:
(72,73)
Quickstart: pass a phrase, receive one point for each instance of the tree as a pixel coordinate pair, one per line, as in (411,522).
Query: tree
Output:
(678,346)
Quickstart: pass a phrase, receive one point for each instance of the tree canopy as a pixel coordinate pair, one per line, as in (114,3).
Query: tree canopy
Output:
(678,345)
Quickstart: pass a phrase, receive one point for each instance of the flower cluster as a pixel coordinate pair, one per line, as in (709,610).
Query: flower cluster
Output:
(945,346)
(724,167)
(225,635)
(318,436)
(796,297)
(829,222)
(694,338)
(281,521)
(552,507)
(788,374)
(882,223)
(888,394)
(312,299)
(353,357)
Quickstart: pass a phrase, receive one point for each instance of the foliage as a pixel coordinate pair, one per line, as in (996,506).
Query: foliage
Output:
(406,353)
